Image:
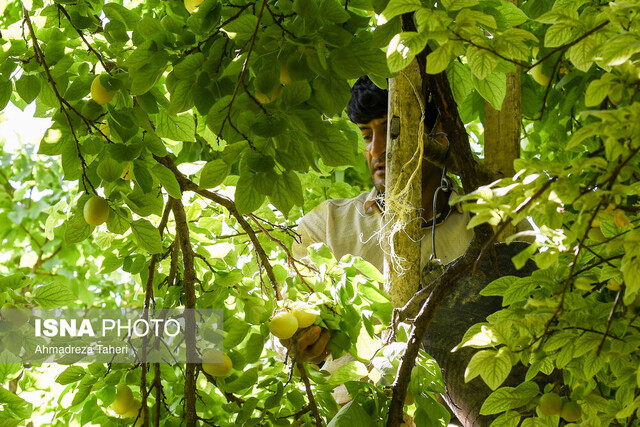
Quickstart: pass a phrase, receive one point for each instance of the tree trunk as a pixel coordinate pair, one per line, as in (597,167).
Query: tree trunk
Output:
(502,133)
(403,186)
(462,308)
(502,129)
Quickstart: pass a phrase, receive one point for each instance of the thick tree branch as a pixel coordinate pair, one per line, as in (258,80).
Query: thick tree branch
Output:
(307,385)
(145,315)
(182,231)
(436,153)
(438,86)
(441,288)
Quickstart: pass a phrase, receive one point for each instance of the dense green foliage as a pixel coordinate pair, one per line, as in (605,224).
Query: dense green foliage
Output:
(229,123)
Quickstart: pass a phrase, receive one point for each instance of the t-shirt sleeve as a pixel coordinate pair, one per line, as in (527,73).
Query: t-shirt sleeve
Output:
(310,230)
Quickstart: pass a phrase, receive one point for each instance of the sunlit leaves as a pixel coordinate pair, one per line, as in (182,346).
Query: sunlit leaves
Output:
(213,173)
(147,236)
(54,295)
(493,366)
(403,48)
(492,88)
(438,60)
(397,7)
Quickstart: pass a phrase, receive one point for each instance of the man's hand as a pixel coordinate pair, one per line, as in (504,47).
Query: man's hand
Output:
(309,344)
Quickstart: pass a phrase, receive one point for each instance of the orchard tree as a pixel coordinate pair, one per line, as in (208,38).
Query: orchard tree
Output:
(187,138)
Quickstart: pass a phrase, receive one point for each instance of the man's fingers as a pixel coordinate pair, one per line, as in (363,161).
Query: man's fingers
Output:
(308,336)
(319,346)
(322,357)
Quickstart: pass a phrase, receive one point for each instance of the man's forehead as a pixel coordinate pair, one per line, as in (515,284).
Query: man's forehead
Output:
(372,123)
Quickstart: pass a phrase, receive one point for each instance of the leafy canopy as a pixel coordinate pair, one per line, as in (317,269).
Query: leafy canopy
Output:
(229,123)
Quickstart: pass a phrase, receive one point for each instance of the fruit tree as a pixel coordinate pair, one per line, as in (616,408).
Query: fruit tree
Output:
(186,138)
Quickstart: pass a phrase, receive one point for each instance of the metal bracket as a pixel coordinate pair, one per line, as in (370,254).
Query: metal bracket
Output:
(395,127)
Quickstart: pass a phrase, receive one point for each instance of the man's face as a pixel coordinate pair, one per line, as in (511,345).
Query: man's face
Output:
(375,138)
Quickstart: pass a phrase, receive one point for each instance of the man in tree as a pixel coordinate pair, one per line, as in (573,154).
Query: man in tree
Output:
(350,226)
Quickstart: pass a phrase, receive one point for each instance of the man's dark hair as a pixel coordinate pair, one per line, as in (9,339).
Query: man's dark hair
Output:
(369,102)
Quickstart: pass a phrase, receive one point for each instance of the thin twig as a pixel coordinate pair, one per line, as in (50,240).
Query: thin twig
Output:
(188,185)
(242,73)
(91,49)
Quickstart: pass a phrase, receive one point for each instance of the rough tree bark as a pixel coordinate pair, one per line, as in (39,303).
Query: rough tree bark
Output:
(502,129)
(403,173)
(502,133)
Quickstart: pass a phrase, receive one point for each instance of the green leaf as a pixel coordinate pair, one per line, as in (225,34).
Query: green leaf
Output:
(214,173)
(181,97)
(519,290)
(452,5)
(254,347)
(236,331)
(177,128)
(147,236)
(352,415)
(10,365)
(13,281)
(403,48)
(533,422)
(508,419)
(116,12)
(247,198)
(142,176)
(83,391)
(620,48)
(332,94)
(71,375)
(438,60)
(248,379)
(506,398)
(6,89)
(189,66)
(499,286)
(512,15)
(241,28)
(274,400)
(28,87)
(368,270)
(398,7)
(168,180)
(460,81)
(14,406)
(118,223)
(493,88)
(558,35)
(581,54)
(333,11)
(144,78)
(335,150)
(481,62)
(598,90)
(109,169)
(296,93)
(493,366)
(351,371)
(76,229)
(308,10)
(247,409)
(54,295)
